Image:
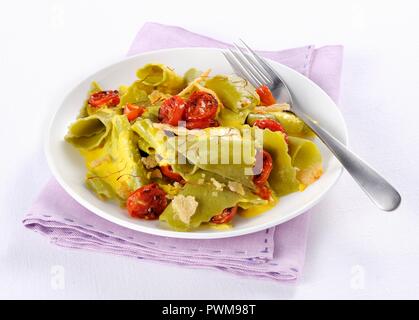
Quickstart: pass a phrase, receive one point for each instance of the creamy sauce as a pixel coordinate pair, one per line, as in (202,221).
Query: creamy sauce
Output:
(223,226)
(257,210)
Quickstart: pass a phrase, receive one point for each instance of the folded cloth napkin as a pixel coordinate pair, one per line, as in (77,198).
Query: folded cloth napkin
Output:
(276,253)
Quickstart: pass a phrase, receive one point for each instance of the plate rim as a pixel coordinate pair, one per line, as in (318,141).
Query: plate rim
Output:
(172,233)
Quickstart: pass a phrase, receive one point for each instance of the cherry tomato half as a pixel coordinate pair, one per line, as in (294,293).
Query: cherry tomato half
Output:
(271,125)
(266,96)
(201,106)
(226,216)
(133,111)
(172,110)
(267,164)
(202,124)
(168,172)
(264,192)
(108,98)
(147,202)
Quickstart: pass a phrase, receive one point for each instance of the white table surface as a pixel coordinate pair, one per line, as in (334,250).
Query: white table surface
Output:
(354,250)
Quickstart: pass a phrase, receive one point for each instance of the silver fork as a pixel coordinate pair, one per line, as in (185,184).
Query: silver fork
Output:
(249,65)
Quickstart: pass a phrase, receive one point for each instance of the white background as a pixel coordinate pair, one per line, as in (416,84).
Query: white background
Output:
(354,250)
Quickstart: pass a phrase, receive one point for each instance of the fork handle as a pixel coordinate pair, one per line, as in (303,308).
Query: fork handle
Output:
(382,193)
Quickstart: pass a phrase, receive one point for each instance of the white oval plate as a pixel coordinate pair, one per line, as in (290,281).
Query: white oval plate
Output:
(68,167)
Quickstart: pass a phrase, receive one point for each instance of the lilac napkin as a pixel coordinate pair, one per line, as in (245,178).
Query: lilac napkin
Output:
(276,253)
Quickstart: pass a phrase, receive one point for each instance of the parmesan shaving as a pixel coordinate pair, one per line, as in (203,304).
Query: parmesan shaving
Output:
(149,162)
(218,185)
(236,187)
(184,207)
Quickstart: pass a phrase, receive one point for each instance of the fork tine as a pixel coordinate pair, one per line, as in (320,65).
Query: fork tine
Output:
(238,67)
(257,63)
(272,73)
(247,67)
(233,64)
(260,73)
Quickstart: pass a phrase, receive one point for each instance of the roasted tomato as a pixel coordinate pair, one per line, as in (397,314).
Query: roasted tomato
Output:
(261,178)
(172,110)
(265,95)
(133,111)
(168,172)
(147,202)
(201,106)
(264,192)
(202,124)
(108,98)
(226,216)
(271,125)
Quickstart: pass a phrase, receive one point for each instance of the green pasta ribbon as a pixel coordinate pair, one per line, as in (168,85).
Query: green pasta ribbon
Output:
(212,200)
(293,125)
(283,177)
(191,74)
(136,93)
(220,150)
(235,93)
(306,157)
(114,166)
(161,77)
(91,131)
